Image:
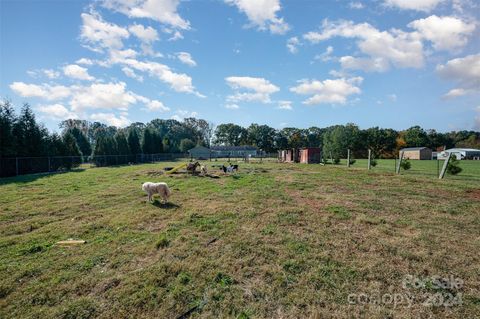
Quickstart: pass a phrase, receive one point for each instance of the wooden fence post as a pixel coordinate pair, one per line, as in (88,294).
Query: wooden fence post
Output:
(399,162)
(445,165)
(348,157)
(369,158)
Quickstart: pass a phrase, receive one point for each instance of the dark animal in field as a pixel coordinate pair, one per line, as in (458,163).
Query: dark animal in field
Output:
(229,169)
(192,167)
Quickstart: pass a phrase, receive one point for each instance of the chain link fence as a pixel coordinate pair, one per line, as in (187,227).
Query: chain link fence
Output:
(33,165)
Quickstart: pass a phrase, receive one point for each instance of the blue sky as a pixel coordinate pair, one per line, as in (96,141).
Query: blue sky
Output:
(388,63)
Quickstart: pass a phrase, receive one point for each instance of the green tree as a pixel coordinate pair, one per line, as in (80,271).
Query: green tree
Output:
(7,122)
(71,146)
(122,143)
(30,136)
(82,141)
(415,136)
(230,135)
(186,144)
(261,136)
(134,142)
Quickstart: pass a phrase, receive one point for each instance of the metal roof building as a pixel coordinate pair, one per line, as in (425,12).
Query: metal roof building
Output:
(461,153)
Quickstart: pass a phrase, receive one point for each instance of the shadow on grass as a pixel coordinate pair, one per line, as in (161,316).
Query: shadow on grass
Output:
(167,205)
(33,177)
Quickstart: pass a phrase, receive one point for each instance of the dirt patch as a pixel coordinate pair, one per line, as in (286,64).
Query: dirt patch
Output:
(473,194)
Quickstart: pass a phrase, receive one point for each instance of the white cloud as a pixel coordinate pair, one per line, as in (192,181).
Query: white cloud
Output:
(232,106)
(102,96)
(179,82)
(186,58)
(163,11)
(465,72)
(419,5)
(366,64)
(328,91)
(155,105)
(56,111)
(98,34)
(49,73)
(84,61)
(325,56)
(285,105)
(111,119)
(382,48)
(146,35)
(131,74)
(44,91)
(446,33)
(292,44)
(77,72)
(182,114)
(355,5)
(258,89)
(262,14)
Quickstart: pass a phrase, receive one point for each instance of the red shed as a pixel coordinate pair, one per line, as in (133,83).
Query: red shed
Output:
(310,155)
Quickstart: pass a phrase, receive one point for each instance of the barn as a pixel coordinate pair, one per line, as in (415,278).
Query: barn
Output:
(288,156)
(310,155)
(417,153)
(199,152)
(461,153)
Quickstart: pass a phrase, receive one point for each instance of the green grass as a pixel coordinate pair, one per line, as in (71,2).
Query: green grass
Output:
(274,240)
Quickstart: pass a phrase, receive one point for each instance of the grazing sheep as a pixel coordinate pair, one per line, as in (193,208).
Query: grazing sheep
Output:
(203,170)
(156,188)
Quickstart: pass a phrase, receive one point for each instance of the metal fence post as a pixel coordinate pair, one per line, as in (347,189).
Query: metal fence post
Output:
(348,157)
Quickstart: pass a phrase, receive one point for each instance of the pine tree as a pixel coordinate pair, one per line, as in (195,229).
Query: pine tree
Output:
(134,142)
(122,143)
(30,136)
(82,141)
(71,146)
(7,122)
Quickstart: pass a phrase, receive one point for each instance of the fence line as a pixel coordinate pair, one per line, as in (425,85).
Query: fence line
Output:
(14,166)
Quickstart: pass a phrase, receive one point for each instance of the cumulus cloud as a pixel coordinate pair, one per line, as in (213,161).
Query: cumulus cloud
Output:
(179,82)
(262,14)
(285,105)
(98,34)
(382,48)
(329,91)
(131,74)
(418,5)
(110,119)
(155,105)
(232,106)
(163,11)
(84,61)
(258,89)
(147,34)
(292,44)
(186,58)
(183,114)
(102,96)
(44,91)
(77,72)
(325,56)
(446,33)
(465,72)
(56,111)
(49,73)
(355,5)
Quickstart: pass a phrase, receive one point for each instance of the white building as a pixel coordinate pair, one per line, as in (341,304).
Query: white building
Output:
(461,153)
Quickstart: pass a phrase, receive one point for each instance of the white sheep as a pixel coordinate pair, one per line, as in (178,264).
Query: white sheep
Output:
(156,188)
(203,169)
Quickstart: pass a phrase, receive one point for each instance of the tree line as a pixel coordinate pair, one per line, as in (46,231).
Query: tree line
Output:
(21,135)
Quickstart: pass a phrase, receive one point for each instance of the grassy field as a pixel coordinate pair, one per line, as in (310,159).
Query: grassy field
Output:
(273,240)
